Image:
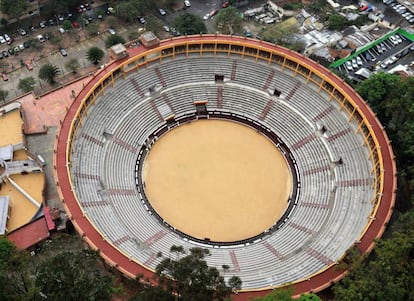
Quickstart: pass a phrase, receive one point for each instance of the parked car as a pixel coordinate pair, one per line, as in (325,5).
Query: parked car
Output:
(63,51)
(111,31)
(1,55)
(166,28)
(359,61)
(5,53)
(162,12)
(10,41)
(5,78)
(22,32)
(348,66)
(213,13)
(41,38)
(6,37)
(187,3)
(2,40)
(141,20)
(21,47)
(206,16)
(225,4)
(29,66)
(42,24)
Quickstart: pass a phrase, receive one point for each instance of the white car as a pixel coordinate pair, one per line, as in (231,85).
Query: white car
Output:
(359,61)
(206,16)
(111,31)
(354,64)
(6,37)
(348,65)
(162,12)
(166,28)
(187,3)
(2,40)
(394,40)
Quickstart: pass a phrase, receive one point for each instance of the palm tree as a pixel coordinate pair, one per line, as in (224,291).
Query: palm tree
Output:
(94,55)
(48,72)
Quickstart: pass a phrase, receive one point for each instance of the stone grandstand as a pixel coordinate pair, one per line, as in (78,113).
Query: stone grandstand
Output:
(339,150)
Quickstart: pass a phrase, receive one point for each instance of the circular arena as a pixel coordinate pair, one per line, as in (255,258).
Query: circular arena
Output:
(327,177)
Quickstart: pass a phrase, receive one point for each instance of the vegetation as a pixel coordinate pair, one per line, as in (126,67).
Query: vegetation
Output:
(189,24)
(53,277)
(95,55)
(59,275)
(285,294)
(337,22)
(387,275)
(113,40)
(27,84)
(13,8)
(130,9)
(229,21)
(48,73)
(153,24)
(67,25)
(193,279)
(3,95)
(73,65)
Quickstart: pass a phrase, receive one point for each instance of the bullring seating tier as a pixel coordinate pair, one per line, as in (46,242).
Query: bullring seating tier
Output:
(334,201)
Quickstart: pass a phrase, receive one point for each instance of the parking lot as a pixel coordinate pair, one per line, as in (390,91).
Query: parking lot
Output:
(383,54)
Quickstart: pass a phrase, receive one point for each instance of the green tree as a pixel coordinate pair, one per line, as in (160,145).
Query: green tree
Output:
(153,24)
(128,11)
(193,279)
(27,84)
(92,29)
(389,275)
(285,294)
(337,22)
(73,65)
(3,95)
(73,276)
(48,72)
(113,40)
(111,21)
(229,21)
(189,24)
(67,25)
(14,8)
(95,55)
(15,283)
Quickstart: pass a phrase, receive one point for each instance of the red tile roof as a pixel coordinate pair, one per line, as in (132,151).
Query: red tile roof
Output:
(30,234)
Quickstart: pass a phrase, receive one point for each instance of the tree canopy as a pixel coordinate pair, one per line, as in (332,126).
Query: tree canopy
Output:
(389,276)
(95,55)
(13,8)
(73,276)
(189,24)
(114,39)
(337,22)
(48,72)
(129,10)
(57,275)
(187,278)
(285,294)
(229,21)
(391,98)
(26,84)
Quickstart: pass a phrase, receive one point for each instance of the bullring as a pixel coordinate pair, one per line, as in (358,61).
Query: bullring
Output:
(345,169)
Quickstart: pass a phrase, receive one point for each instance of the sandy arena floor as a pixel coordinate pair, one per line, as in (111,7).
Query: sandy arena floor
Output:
(217,179)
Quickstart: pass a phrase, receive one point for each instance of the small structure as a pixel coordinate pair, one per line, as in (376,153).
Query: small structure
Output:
(149,40)
(118,52)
